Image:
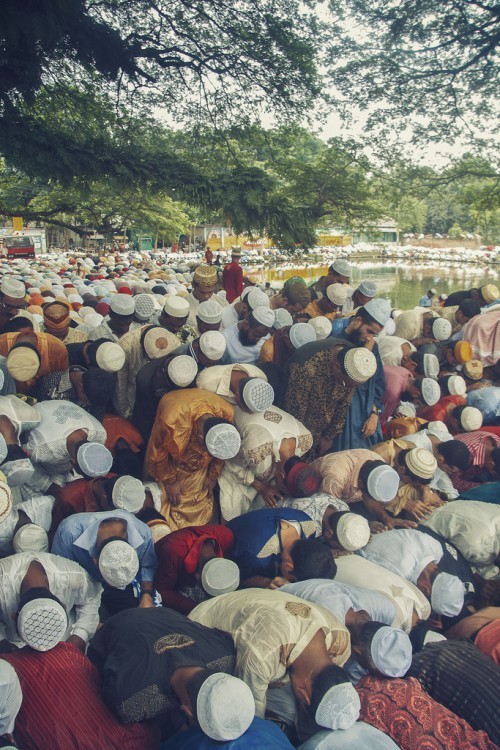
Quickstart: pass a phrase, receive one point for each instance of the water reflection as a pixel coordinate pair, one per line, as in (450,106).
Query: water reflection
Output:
(402,284)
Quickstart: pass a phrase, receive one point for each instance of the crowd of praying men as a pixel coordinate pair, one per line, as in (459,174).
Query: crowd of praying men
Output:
(245,518)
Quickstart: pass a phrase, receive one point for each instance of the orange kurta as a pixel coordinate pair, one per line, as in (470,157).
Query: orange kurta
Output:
(53,356)
(174,454)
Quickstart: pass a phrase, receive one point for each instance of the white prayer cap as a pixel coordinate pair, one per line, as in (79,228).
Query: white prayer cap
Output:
(122,304)
(257,394)
(447,595)
(389,328)
(322,326)
(431,392)
(379,309)
(23,362)
(441,329)
(457,385)
(367,288)
(282,318)
(30,538)
(42,623)
(391,651)
(220,576)
(5,501)
(209,312)
(144,306)
(431,366)
(382,483)
(75,298)
(339,707)
(2,379)
(342,267)
(12,288)
(94,319)
(176,306)
(158,342)
(257,298)
(353,531)
(471,419)
(128,494)
(94,459)
(118,563)
(110,356)
(300,334)
(182,370)
(213,345)
(360,364)
(3,449)
(225,707)
(421,463)
(337,294)
(432,637)
(11,697)
(223,441)
(264,316)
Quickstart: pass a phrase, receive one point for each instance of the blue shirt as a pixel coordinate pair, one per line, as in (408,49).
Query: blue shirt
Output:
(260,735)
(339,325)
(487,400)
(425,301)
(76,539)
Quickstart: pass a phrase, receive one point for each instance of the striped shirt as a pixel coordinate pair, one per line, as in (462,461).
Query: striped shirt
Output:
(340,472)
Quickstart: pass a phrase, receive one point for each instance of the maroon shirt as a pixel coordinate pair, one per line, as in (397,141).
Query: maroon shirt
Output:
(232,281)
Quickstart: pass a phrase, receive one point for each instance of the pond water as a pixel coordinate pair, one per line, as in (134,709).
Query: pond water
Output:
(402,284)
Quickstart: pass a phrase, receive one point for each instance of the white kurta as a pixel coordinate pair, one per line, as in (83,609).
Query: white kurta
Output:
(404,551)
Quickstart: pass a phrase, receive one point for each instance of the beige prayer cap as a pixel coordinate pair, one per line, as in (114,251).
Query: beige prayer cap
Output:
(23,362)
(176,306)
(205,276)
(490,293)
(13,288)
(473,369)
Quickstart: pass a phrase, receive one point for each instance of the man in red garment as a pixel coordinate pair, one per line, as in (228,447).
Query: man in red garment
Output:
(232,276)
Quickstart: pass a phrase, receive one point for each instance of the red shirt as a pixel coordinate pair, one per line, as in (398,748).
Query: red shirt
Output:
(440,411)
(75,497)
(178,554)
(232,281)
(62,707)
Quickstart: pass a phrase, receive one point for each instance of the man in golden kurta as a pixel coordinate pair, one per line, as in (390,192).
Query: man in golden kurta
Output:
(191,436)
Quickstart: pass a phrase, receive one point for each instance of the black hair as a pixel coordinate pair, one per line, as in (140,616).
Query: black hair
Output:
(108,484)
(418,358)
(14,453)
(322,682)
(455,453)
(149,514)
(312,559)
(242,384)
(409,473)
(17,323)
(366,317)
(99,385)
(307,482)
(212,422)
(366,635)
(253,322)
(275,378)
(334,518)
(470,308)
(290,463)
(495,455)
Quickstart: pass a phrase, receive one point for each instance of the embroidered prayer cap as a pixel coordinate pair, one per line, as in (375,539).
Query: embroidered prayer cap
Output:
(118,563)
(122,304)
(337,294)
(457,385)
(382,483)
(471,419)
(11,697)
(463,352)
(489,293)
(223,441)
(322,326)
(3,448)
(353,531)
(158,342)
(431,366)
(431,392)
(421,463)
(360,364)
(42,623)
(257,298)
(220,576)
(128,494)
(367,288)
(441,329)
(257,395)
(30,538)
(264,316)
(405,409)
(282,318)
(300,334)
(378,309)
(23,362)
(447,595)
(5,500)
(209,312)
(176,306)
(182,370)
(213,345)
(13,288)
(144,306)
(342,267)
(94,459)
(110,356)
(225,707)
(205,276)
(339,708)
(391,651)
(473,369)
